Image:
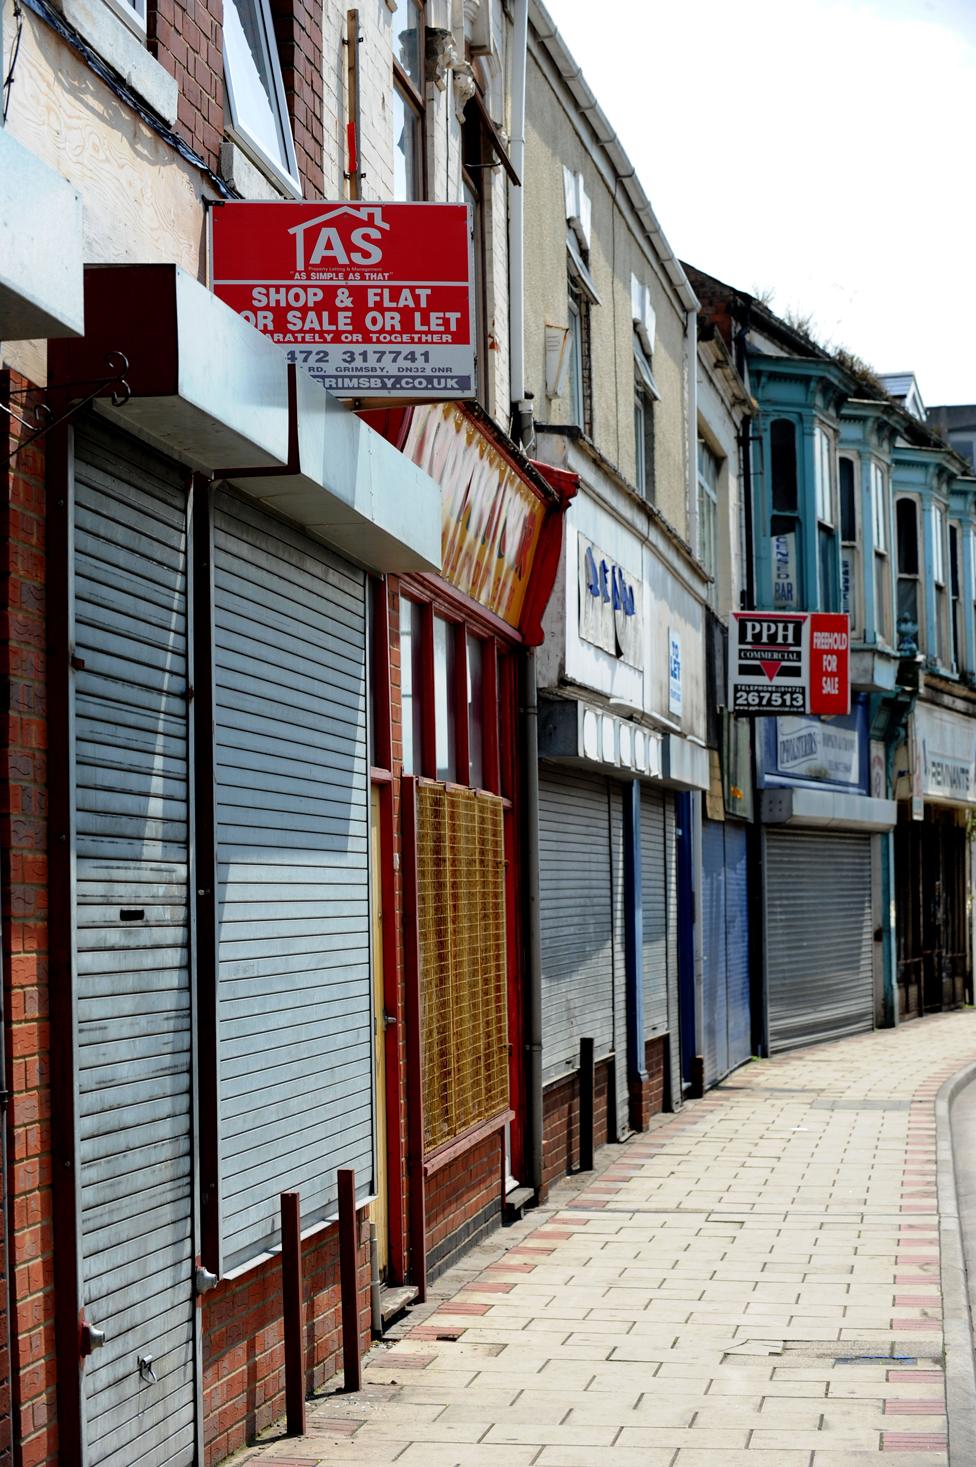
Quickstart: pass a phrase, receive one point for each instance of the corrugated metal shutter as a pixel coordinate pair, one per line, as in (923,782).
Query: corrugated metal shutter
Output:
(725,949)
(576,917)
(737,944)
(715,1018)
(818,936)
(134,1037)
(294,1010)
(671,864)
(654,903)
(619,960)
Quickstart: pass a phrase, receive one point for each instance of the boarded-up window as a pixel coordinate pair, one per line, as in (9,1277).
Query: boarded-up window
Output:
(461,929)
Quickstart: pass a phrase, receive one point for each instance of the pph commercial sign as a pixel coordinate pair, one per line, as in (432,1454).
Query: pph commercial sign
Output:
(376,300)
(789,663)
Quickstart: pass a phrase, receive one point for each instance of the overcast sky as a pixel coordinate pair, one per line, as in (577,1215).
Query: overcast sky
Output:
(821,151)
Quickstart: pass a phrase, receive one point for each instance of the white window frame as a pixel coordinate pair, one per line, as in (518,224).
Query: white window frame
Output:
(850,550)
(133,15)
(708,501)
(882,572)
(824,477)
(287,178)
(938,545)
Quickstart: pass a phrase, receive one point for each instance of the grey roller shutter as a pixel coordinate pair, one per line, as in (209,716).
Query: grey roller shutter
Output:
(294,1009)
(622,1107)
(130,766)
(577,918)
(671,866)
(818,936)
(737,944)
(725,949)
(654,905)
(715,1017)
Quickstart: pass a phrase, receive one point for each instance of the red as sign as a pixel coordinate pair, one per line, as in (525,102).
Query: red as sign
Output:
(830,663)
(374,299)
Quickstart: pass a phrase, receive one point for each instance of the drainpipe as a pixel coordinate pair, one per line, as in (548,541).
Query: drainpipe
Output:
(691,358)
(533,1004)
(758,997)
(522,429)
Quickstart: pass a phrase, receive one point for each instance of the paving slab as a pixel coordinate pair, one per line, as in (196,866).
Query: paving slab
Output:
(755,1282)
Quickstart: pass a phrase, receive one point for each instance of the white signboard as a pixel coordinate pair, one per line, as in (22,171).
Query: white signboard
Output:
(809,749)
(609,605)
(944,756)
(674,672)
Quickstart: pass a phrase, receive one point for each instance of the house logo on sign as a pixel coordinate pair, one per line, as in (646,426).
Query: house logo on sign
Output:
(332,242)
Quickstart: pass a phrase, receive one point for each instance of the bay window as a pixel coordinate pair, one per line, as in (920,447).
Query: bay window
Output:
(785,521)
(882,574)
(906,521)
(849,559)
(826,531)
(940,649)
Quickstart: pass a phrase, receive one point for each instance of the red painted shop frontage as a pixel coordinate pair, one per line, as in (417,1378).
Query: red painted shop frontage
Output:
(448,669)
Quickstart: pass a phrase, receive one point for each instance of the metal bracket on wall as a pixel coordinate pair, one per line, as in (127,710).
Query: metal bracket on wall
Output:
(36,416)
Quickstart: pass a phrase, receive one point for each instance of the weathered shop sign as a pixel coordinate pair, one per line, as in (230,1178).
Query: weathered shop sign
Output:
(609,604)
(809,749)
(491,517)
(944,755)
(376,300)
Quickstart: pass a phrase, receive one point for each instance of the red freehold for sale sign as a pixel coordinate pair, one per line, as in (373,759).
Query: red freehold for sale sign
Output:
(830,663)
(376,300)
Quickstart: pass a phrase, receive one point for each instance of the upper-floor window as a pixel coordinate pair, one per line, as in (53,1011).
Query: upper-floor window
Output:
(785,522)
(709,469)
(941,649)
(882,572)
(133,12)
(955,613)
(259,118)
(408,100)
(906,523)
(849,552)
(827,568)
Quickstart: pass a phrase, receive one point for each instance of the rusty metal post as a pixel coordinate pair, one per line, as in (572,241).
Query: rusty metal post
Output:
(349,1279)
(587,1082)
(293,1294)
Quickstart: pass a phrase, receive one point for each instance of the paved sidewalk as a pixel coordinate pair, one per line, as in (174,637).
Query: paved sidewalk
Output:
(753,1283)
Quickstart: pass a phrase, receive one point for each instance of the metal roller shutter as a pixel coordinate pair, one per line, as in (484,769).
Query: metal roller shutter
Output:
(725,949)
(619,961)
(671,866)
(130,756)
(654,904)
(576,917)
(715,1017)
(737,944)
(294,1008)
(818,936)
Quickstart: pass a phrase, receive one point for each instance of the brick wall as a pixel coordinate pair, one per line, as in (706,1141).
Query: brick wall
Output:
(23,865)
(648,1097)
(243,1342)
(186,37)
(560,1123)
(464,1202)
